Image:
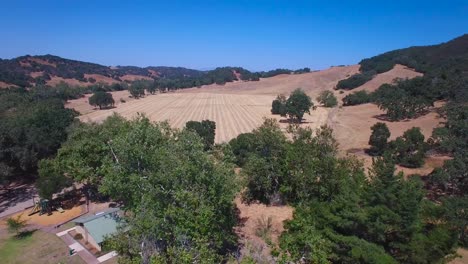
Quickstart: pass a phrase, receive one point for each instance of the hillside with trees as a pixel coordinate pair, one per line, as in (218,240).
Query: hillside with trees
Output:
(29,71)
(178,189)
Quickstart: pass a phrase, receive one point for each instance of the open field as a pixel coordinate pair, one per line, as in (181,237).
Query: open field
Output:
(38,247)
(312,83)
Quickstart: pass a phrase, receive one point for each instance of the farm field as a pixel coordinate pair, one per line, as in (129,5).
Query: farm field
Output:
(233,113)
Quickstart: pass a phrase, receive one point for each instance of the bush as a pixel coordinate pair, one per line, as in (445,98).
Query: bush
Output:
(327,98)
(357,98)
(278,106)
(137,89)
(16,225)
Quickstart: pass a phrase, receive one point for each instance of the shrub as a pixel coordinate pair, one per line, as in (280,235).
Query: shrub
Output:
(327,98)
(263,228)
(16,225)
(357,98)
(278,106)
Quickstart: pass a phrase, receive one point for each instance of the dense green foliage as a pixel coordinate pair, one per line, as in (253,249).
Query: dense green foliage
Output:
(426,59)
(357,98)
(264,168)
(297,105)
(137,89)
(101,99)
(406,99)
(378,139)
(409,149)
(342,216)
(278,106)
(294,107)
(452,178)
(206,129)
(32,128)
(327,99)
(178,198)
(242,146)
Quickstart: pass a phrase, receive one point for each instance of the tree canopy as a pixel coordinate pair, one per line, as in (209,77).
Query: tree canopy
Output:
(176,209)
(32,129)
(206,129)
(101,99)
(378,139)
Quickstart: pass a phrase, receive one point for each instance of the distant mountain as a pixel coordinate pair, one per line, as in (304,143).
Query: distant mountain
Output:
(28,71)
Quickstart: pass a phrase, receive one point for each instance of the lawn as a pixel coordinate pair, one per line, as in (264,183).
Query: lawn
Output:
(39,247)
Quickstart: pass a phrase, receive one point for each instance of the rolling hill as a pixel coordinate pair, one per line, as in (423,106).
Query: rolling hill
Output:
(29,71)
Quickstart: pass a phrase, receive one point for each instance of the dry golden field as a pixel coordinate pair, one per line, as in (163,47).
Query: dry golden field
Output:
(240,107)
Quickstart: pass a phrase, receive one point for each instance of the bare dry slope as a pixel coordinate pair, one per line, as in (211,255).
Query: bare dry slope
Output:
(313,83)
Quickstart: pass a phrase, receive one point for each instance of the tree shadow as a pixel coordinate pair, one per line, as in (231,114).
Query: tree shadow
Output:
(384,117)
(25,234)
(289,121)
(14,194)
(105,108)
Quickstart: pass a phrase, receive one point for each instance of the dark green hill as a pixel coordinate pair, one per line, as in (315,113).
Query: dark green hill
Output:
(446,59)
(449,56)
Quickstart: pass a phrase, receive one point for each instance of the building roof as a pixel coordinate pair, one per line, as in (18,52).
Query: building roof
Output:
(101,224)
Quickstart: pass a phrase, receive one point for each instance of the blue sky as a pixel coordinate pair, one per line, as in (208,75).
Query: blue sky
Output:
(257,35)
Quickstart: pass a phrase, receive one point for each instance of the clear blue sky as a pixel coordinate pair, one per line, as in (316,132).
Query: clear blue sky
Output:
(258,35)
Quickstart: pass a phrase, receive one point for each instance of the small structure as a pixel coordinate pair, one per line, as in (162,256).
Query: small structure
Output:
(94,228)
(42,207)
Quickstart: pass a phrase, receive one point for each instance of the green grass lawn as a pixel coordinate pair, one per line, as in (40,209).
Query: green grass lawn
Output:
(39,247)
